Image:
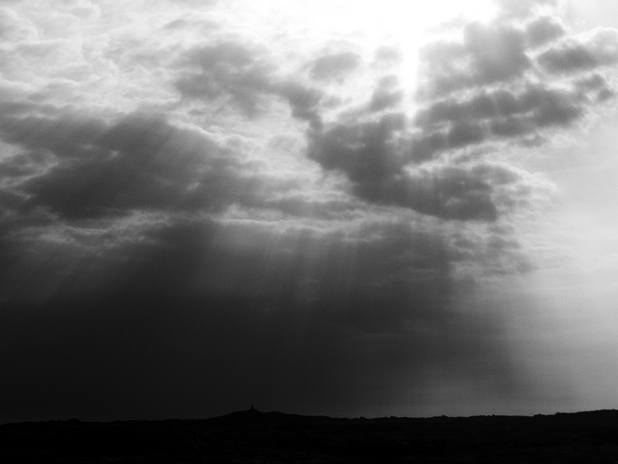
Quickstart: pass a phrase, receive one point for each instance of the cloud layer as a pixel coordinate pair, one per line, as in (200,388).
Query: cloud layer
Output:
(173,180)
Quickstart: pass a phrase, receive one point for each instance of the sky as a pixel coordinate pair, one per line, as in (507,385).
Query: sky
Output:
(353,208)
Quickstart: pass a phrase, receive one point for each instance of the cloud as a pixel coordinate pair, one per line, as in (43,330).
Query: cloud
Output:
(599,49)
(505,114)
(517,104)
(376,159)
(486,95)
(12,28)
(304,101)
(473,100)
(335,66)
(450,66)
(544,30)
(387,95)
(365,151)
(243,74)
(192,190)
(228,70)
(595,86)
(385,56)
(140,162)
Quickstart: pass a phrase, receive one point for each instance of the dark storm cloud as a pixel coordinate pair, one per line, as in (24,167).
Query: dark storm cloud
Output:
(139,162)
(504,113)
(375,158)
(366,152)
(131,314)
(595,86)
(335,66)
(572,55)
(196,325)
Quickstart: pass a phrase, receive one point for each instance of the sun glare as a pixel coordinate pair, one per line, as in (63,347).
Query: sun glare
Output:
(383,17)
(368,24)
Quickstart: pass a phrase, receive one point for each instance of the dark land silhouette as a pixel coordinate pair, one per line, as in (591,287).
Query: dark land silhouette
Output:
(252,436)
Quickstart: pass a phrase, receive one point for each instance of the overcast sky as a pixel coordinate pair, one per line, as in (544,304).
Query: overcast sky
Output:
(334,207)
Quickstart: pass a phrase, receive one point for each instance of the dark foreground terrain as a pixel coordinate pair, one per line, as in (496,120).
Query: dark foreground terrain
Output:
(256,437)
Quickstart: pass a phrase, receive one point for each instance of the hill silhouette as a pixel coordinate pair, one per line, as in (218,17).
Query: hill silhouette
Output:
(267,437)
